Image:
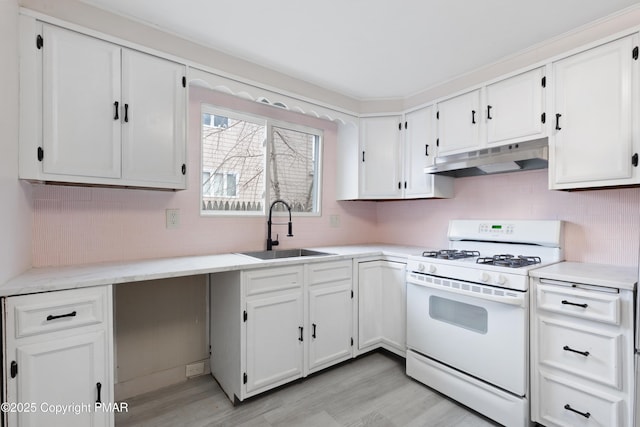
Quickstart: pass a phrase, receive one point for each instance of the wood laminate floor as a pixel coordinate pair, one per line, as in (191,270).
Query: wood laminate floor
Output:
(372,390)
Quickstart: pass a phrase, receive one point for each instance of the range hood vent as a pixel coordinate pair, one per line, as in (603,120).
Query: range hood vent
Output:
(508,158)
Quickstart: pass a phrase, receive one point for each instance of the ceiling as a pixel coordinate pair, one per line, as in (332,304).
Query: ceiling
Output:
(368,49)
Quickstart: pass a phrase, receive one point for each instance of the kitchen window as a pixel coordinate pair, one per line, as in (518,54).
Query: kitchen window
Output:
(250,161)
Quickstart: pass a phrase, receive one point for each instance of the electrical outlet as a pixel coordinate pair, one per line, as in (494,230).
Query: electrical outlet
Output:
(334,221)
(195,369)
(172,218)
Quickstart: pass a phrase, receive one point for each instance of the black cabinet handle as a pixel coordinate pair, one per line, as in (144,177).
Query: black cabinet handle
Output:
(126,113)
(565,302)
(363,157)
(313,333)
(399,185)
(426,150)
(558,121)
(115,107)
(99,388)
(301,329)
(567,348)
(60,316)
(473,117)
(489,112)
(634,160)
(569,408)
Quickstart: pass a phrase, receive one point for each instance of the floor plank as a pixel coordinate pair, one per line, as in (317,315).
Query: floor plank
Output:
(370,391)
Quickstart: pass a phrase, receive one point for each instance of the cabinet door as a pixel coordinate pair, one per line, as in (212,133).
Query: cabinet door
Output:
(70,372)
(330,314)
(153,120)
(274,334)
(81,105)
(369,304)
(380,157)
(592,140)
(459,123)
(419,152)
(394,309)
(514,108)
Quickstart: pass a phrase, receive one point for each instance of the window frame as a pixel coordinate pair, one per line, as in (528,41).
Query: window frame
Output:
(269,123)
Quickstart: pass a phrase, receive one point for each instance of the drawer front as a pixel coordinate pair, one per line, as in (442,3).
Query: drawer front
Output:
(565,404)
(272,279)
(593,354)
(330,272)
(54,311)
(591,305)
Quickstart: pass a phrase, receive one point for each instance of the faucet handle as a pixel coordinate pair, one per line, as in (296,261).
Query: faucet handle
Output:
(275,242)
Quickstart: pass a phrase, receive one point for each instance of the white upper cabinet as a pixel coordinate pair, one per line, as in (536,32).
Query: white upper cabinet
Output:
(459,121)
(594,139)
(93,112)
(515,107)
(419,149)
(380,173)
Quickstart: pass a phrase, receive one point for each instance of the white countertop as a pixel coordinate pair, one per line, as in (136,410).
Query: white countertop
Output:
(59,278)
(590,274)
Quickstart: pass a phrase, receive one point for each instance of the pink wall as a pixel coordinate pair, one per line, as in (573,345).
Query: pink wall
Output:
(76,225)
(601,226)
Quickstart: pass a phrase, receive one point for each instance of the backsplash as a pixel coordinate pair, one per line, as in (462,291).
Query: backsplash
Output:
(601,226)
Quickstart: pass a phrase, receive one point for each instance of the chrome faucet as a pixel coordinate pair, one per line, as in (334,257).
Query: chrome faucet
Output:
(271,243)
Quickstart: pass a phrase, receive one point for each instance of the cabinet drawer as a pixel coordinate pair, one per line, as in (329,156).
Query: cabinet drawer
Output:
(272,279)
(330,272)
(54,311)
(591,305)
(594,354)
(567,404)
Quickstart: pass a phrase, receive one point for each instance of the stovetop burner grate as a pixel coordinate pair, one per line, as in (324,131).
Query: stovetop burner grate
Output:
(450,254)
(506,260)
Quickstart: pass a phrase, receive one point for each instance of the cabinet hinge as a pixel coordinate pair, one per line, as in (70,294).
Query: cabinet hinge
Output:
(635,53)
(14,369)
(543,117)
(184,81)
(438,142)
(437,115)
(40,154)
(351,294)
(634,160)
(544,81)
(244,378)
(351,341)
(406,125)
(184,169)
(39,41)
(244,316)
(399,126)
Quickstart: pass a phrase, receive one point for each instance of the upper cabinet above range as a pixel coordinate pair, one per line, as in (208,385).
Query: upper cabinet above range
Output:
(93,112)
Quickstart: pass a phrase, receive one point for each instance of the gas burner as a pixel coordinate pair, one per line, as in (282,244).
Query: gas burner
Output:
(450,254)
(506,260)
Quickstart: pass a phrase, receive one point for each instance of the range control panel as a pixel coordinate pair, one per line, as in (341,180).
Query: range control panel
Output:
(495,229)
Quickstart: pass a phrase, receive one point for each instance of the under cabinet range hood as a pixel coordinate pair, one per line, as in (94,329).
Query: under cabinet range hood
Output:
(507,158)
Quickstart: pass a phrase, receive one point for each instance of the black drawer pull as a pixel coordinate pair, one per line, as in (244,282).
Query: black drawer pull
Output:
(565,302)
(569,408)
(60,316)
(313,333)
(116,107)
(567,348)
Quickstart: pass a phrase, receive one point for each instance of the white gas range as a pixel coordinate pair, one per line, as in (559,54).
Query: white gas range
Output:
(468,313)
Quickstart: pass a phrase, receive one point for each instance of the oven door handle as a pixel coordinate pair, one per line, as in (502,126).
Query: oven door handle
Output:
(519,300)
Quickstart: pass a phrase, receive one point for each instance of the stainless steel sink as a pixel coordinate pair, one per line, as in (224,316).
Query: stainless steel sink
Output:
(284,253)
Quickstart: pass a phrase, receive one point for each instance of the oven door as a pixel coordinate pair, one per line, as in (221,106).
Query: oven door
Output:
(477,329)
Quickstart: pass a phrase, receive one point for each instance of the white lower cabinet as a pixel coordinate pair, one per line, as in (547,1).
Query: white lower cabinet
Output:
(58,358)
(270,326)
(582,355)
(382,306)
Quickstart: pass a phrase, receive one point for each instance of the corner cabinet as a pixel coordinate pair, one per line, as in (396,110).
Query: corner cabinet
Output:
(594,139)
(270,326)
(58,353)
(393,155)
(93,112)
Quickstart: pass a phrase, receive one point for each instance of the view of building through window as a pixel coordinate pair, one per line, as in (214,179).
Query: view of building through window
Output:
(248,162)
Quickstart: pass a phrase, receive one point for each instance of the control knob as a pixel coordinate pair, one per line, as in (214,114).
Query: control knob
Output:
(485,277)
(501,280)
(421,267)
(432,268)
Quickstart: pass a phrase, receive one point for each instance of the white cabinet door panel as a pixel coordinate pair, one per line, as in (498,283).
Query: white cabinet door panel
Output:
(420,148)
(81,120)
(459,123)
(380,161)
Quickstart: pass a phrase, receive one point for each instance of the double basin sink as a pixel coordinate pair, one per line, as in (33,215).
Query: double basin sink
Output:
(284,253)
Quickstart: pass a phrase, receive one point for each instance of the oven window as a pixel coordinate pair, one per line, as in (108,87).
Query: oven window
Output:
(457,313)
